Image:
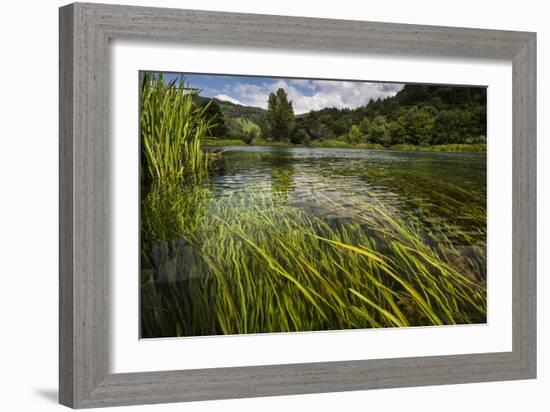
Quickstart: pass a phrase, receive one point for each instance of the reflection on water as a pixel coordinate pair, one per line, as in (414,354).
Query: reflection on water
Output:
(443,189)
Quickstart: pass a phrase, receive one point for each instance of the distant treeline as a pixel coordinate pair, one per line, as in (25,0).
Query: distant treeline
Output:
(418,115)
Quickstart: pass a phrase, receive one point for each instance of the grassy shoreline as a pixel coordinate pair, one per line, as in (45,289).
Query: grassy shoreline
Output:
(335,144)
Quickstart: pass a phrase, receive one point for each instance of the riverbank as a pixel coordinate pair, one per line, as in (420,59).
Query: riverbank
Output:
(337,144)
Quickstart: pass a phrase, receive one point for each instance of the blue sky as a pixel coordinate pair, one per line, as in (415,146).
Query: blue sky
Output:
(305,94)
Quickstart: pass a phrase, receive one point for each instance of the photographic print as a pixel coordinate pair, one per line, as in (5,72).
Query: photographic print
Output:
(274,204)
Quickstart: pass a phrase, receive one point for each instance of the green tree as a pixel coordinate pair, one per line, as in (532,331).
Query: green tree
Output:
(416,115)
(234,129)
(355,135)
(215,116)
(418,125)
(341,125)
(300,136)
(397,132)
(280,116)
(251,134)
(263,123)
(365,126)
(376,131)
(318,130)
(452,126)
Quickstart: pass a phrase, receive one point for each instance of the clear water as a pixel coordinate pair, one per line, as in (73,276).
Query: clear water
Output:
(442,189)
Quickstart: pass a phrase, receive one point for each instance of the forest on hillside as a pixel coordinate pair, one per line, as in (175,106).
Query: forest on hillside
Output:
(418,115)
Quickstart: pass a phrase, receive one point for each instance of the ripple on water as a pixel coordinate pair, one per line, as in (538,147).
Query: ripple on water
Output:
(329,182)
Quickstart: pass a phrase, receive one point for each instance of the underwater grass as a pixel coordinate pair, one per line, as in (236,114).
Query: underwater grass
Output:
(252,264)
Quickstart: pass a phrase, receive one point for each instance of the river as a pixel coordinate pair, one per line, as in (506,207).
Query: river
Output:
(440,188)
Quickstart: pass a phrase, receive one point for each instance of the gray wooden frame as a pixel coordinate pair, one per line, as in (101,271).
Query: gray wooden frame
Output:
(85,30)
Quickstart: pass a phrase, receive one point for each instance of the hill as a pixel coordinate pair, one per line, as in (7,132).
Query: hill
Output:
(234,111)
(418,115)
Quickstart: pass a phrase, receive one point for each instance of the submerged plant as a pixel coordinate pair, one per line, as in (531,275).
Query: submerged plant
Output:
(256,264)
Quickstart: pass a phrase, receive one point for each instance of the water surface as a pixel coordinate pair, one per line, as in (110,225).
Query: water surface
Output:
(440,188)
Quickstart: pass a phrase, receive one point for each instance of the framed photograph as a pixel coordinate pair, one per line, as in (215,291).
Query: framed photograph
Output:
(256,205)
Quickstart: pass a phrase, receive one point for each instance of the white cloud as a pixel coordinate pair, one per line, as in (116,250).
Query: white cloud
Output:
(308,84)
(307,95)
(227,98)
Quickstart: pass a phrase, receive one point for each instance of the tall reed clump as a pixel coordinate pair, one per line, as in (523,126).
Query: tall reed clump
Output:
(172,127)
